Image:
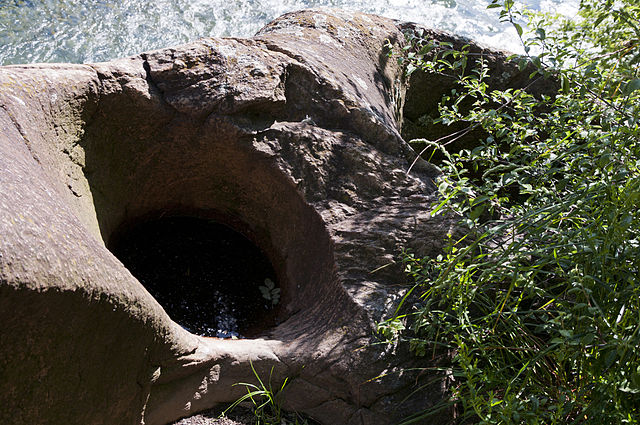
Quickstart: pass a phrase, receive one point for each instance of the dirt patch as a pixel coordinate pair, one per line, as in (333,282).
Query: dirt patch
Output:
(212,417)
(241,415)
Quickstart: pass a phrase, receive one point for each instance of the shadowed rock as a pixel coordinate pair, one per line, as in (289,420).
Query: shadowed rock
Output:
(292,138)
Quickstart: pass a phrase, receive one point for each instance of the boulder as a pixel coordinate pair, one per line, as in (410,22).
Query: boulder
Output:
(293,138)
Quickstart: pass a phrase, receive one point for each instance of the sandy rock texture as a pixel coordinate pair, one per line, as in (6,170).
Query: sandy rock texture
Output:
(292,137)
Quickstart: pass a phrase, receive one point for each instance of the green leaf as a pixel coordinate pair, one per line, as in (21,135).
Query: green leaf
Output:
(518,28)
(599,20)
(476,212)
(426,49)
(610,358)
(631,86)
(565,84)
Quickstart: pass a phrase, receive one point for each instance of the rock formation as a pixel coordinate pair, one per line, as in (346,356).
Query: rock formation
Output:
(292,137)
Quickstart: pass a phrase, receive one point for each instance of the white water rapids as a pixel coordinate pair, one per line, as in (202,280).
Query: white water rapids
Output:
(98,30)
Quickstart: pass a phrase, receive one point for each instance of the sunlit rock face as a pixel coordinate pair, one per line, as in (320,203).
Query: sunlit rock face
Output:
(291,138)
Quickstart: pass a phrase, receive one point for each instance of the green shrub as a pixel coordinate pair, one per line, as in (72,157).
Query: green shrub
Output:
(539,303)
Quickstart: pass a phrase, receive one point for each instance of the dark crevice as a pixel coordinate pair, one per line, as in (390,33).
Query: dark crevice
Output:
(154,88)
(147,70)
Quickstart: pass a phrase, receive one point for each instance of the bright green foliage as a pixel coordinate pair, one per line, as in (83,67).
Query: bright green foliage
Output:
(539,304)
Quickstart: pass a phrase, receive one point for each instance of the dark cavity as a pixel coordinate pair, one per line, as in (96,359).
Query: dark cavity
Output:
(210,279)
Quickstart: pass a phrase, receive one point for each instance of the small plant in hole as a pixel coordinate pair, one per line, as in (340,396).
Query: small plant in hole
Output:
(270,292)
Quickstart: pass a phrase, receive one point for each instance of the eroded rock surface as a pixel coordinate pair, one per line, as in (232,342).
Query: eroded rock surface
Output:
(291,137)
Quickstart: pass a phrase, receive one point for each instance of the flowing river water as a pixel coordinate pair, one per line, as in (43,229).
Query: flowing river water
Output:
(84,31)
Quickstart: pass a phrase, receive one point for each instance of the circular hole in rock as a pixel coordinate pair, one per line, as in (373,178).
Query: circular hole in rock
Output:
(209,278)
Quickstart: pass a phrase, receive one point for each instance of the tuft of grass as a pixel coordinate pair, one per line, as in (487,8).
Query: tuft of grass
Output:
(266,402)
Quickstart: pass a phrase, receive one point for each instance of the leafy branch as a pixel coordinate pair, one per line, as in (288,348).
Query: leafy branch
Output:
(539,303)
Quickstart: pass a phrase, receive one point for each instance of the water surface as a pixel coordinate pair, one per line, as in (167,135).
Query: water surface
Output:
(83,31)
